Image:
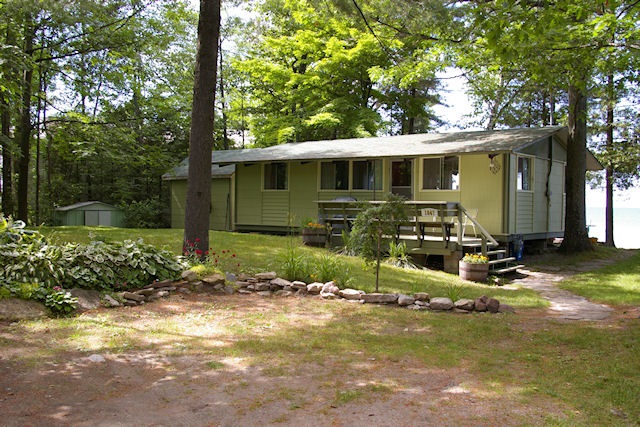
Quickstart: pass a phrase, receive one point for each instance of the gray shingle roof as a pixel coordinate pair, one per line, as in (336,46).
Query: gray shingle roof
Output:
(393,146)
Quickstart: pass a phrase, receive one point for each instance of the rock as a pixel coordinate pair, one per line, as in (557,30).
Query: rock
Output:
(480,303)
(189,275)
(243,277)
(288,288)
(421,296)
(314,288)
(421,303)
(230,277)
(281,283)
(219,287)
(244,292)
(87,299)
(351,294)
(297,285)
(506,308)
(465,304)
(162,294)
(405,300)
(377,298)
(109,301)
(493,305)
(328,295)
(229,290)
(242,285)
(266,276)
(301,292)
(161,283)
(416,307)
(196,286)
(19,309)
(130,303)
(330,287)
(283,293)
(251,287)
(96,358)
(461,311)
(182,290)
(262,286)
(264,293)
(145,292)
(132,296)
(213,280)
(173,288)
(440,303)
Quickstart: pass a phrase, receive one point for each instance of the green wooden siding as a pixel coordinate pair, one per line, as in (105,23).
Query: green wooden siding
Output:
(248,194)
(178,202)
(524,212)
(219,219)
(303,193)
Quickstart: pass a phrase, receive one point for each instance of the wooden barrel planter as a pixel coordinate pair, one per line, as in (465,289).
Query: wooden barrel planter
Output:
(473,272)
(316,237)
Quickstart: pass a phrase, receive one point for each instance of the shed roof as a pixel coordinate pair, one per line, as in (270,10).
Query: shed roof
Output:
(83,205)
(395,146)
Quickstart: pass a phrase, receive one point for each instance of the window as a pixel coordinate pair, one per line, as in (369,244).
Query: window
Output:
(441,173)
(275,176)
(524,173)
(334,175)
(367,175)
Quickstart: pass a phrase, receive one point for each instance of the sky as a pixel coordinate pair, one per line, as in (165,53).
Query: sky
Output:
(458,106)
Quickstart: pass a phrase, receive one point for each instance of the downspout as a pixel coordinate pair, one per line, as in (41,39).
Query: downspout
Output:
(506,179)
(548,191)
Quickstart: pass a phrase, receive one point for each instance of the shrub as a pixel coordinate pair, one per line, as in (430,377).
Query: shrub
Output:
(143,214)
(330,268)
(293,263)
(398,256)
(60,302)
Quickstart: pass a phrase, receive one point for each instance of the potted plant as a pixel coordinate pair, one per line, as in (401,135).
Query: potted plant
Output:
(314,234)
(474,267)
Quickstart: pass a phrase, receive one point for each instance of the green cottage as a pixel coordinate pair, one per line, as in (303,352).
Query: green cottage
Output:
(498,187)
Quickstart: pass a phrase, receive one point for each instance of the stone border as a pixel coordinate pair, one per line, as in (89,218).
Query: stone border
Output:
(268,284)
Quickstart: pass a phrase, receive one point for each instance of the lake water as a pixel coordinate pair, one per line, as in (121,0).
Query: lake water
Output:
(626,226)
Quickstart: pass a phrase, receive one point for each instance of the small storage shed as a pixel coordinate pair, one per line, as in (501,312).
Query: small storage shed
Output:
(89,213)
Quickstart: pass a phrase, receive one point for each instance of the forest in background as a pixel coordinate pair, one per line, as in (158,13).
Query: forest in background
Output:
(95,97)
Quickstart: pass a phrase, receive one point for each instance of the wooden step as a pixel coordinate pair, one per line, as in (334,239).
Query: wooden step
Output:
(501,260)
(497,252)
(507,269)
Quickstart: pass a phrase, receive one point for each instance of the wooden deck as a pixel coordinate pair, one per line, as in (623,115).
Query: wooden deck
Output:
(430,228)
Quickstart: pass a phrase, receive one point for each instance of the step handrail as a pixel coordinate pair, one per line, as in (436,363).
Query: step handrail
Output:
(486,237)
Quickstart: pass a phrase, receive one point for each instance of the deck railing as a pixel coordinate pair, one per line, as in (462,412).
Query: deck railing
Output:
(423,219)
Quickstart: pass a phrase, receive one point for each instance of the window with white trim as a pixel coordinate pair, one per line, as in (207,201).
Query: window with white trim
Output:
(367,175)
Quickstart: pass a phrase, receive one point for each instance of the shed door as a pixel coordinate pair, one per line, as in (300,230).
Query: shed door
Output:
(402,178)
(104,217)
(91,218)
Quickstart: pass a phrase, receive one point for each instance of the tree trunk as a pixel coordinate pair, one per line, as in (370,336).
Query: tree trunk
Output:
(223,102)
(609,172)
(25,127)
(576,238)
(198,207)
(7,152)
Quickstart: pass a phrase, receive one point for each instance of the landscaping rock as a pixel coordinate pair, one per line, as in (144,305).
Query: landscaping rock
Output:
(465,304)
(421,296)
(189,275)
(441,303)
(14,309)
(109,301)
(493,305)
(87,299)
(270,275)
(416,307)
(505,308)
(297,285)
(145,292)
(262,286)
(132,296)
(230,277)
(196,286)
(377,298)
(264,293)
(422,303)
(163,283)
(281,283)
(96,358)
(351,294)
(314,288)
(283,293)
(480,303)
(242,285)
(213,280)
(328,295)
(405,300)
(330,287)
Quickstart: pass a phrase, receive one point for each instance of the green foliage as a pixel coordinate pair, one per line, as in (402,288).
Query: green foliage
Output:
(454,291)
(143,214)
(60,302)
(330,267)
(293,263)
(15,232)
(398,256)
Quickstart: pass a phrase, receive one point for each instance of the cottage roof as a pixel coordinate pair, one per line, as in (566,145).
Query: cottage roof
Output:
(182,170)
(84,204)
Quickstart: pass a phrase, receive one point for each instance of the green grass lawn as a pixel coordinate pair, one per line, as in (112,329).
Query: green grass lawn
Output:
(259,252)
(582,373)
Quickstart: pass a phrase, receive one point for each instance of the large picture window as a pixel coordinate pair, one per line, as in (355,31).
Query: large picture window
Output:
(524,174)
(441,173)
(367,175)
(275,176)
(334,175)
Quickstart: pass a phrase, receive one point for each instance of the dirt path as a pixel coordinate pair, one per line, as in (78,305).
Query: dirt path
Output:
(564,304)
